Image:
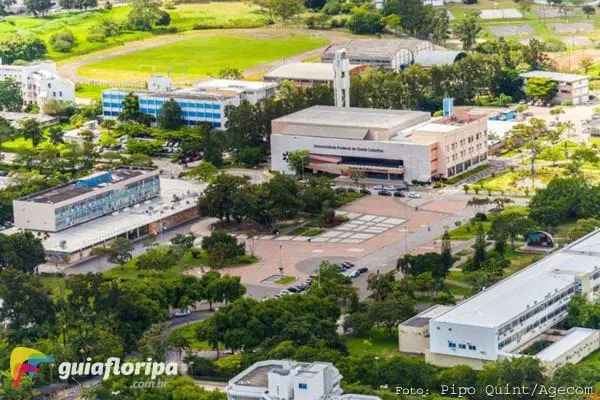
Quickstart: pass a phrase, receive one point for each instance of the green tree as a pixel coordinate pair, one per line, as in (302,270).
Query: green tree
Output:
(120,251)
(285,9)
(480,254)
(534,55)
(540,88)
(7,132)
(298,160)
(467,29)
(179,342)
(10,95)
(217,199)
(363,21)
(171,116)
(222,248)
(446,253)
(31,129)
(230,73)
(22,251)
(144,14)
(131,111)
(588,10)
(38,7)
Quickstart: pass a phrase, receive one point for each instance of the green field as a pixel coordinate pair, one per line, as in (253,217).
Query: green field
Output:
(183,17)
(189,332)
(200,57)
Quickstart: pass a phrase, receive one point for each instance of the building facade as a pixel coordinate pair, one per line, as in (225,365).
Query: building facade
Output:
(307,75)
(570,87)
(384,144)
(503,320)
(85,199)
(289,380)
(204,102)
(39,82)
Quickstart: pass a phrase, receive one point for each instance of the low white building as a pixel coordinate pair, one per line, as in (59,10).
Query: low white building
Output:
(502,320)
(570,87)
(289,380)
(39,82)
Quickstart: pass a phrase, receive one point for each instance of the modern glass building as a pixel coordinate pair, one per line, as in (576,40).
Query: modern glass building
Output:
(87,198)
(204,102)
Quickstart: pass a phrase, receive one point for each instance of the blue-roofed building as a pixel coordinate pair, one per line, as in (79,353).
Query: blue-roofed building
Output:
(203,102)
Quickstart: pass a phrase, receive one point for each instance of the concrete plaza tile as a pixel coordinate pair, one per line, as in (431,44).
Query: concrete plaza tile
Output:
(387,226)
(395,221)
(353,241)
(356,250)
(266,237)
(344,228)
(334,240)
(376,229)
(367,217)
(379,219)
(330,234)
(345,234)
(362,236)
(300,239)
(319,239)
(352,215)
(284,238)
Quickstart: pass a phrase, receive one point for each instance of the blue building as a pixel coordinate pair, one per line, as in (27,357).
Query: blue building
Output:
(204,102)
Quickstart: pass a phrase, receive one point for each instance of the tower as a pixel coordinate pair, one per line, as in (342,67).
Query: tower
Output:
(341,78)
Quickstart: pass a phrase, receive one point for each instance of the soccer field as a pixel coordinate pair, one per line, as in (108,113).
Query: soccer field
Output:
(200,57)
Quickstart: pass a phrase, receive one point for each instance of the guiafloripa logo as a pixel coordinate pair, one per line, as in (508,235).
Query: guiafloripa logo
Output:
(24,360)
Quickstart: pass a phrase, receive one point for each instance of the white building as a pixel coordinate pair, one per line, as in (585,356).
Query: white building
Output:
(341,78)
(306,75)
(385,144)
(39,82)
(289,380)
(203,102)
(501,321)
(571,87)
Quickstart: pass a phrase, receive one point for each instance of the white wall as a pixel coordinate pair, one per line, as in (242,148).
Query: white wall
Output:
(416,157)
(481,337)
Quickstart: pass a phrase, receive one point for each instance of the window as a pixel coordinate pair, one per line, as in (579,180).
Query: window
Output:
(451,344)
(462,346)
(302,386)
(471,347)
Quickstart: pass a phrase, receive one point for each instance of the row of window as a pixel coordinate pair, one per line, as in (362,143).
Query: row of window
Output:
(184,113)
(183,104)
(529,328)
(462,346)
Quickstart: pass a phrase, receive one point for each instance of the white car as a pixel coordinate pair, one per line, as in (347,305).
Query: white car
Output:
(284,292)
(354,274)
(184,312)
(413,195)
(390,188)
(378,187)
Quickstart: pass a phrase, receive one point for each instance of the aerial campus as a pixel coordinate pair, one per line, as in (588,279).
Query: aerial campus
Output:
(299,199)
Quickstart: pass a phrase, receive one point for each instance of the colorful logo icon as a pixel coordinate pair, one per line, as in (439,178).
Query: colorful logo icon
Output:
(25,360)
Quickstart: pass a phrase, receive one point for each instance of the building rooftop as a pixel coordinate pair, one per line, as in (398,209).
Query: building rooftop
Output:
(305,71)
(376,48)
(556,76)
(422,319)
(107,227)
(564,344)
(512,296)
(231,84)
(354,117)
(75,188)
(16,117)
(430,58)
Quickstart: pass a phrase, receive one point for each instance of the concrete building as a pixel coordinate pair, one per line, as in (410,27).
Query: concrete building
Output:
(391,54)
(289,380)
(341,79)
(571,87)
(506,318)
(385,144)
(39,82)
(141,204)
(203,102)
(436,58)
(307,75)
(413,334)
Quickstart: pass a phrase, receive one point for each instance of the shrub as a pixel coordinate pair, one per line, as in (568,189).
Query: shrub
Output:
(246,259)
(164,20)
(566,103)
(340,190)
(251,156)
(62,41)
(228,366)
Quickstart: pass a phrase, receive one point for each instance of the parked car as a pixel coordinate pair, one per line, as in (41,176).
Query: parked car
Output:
(348,264)
(365,191)
(413,195)
(284,292)
(398,193)
(183,312)
(378,187)
(390,188)
(292,289)
(354,274)
(363,270)
(384,193)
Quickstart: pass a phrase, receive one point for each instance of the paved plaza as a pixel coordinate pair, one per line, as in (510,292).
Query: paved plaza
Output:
(573,27)
(556,13)
(503,13)
(512,30)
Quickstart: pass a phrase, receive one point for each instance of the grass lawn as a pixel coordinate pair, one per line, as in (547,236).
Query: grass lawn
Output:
(468,231)
(381,343)
(284,280)
(18,143)
(183,17)
(86,91)
(189,332)
(200,57)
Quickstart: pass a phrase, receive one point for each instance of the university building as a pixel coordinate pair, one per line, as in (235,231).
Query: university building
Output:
(504,320)
(203,102)
(384,144)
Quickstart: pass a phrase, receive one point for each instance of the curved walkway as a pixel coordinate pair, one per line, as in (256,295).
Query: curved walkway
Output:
(68,68)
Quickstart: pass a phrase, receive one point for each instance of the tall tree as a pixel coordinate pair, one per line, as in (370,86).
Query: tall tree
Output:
(38,7)
(468,27)
(171,116)
(31,129)
(447,257)
(144,14)
(10,95)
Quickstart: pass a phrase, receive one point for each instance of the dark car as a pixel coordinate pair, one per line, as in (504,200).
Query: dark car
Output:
(363,270)
(292,289)
(347,264)
(384,193)
(398,193)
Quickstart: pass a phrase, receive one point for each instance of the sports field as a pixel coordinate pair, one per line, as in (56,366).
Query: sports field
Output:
(183,17)
(200,57)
